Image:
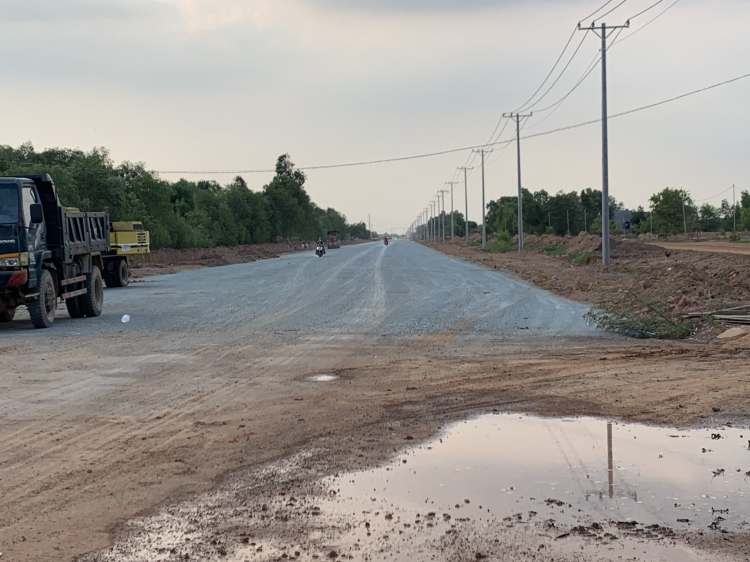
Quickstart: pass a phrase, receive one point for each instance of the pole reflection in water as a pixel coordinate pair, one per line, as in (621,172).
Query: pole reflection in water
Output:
(610,472)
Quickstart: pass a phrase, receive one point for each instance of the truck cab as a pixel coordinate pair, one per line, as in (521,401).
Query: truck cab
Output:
(48,253)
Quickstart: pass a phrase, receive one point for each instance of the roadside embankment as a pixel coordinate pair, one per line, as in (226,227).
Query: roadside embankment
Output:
(159,262)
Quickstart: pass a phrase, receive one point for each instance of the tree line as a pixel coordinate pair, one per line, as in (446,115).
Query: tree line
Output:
(671,211)
(183,214)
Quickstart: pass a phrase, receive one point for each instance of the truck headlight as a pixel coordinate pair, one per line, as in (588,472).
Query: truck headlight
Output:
(10,262)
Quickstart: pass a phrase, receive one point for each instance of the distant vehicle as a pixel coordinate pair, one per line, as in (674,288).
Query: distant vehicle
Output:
(386,240)
(333,239)
(48,252)
(127,239)
(320,250)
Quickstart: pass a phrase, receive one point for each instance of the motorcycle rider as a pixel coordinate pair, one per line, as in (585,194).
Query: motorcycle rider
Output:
(320,244)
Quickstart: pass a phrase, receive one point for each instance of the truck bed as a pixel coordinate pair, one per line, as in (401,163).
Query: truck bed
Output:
(86,233)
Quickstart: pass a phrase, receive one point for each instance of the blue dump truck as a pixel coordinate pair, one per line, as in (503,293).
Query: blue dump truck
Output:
(48,252)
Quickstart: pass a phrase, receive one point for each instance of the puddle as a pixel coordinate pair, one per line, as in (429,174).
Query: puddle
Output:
(323,378)
(572,471)
(499,487)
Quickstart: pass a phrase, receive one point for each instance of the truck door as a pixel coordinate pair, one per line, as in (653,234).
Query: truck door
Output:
(36,232)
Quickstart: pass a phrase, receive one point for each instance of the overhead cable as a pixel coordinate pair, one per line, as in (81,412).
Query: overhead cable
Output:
(652,20)
(467,148)
(646,10)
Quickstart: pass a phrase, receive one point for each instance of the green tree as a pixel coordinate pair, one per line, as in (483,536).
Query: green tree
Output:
(667,206)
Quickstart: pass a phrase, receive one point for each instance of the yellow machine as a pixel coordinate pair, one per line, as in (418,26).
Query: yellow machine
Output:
(127,239)
(130,238)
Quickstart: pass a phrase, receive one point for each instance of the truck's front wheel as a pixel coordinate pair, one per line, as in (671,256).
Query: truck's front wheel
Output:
(7,314)
(92,302)
(42,308)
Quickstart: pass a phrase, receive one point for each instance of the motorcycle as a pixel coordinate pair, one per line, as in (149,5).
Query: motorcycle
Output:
(320,251)
(386,241)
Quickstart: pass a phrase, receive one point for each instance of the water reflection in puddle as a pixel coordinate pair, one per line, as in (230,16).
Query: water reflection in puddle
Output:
(572,471)
(323,378)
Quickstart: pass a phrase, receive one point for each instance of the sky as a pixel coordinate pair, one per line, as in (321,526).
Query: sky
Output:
(229,85)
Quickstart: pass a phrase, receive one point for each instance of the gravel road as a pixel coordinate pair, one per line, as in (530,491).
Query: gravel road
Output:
(400,289)
(101,420)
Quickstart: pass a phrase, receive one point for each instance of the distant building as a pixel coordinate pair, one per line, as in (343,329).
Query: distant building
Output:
(624,221)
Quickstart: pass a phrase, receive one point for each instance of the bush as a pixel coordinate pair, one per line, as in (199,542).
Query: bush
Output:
(559,251)
(501,246)
(580,258)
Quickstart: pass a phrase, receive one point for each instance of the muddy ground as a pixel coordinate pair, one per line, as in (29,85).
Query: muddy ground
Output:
(101,428)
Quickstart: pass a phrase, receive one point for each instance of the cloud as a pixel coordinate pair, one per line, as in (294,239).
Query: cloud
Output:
(414,5)
(36,11)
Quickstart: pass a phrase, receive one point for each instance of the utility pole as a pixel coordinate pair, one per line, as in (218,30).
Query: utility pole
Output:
(484,207)
(466,197)
(452,183)
(369,224)
(585,222)
(734,208)
(434,222)
(603,34)
(442,193)
(518,118)
(567,213)
(684,217)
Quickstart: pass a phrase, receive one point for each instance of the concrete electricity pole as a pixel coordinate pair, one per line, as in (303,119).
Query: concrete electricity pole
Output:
(484,208)
(452,183)
(518,118)
(466,196)
(442,193)
(603,33)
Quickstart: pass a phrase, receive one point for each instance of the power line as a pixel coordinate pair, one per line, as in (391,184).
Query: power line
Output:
(592,66)
(596,11)
(557,62)
(652,20)
(612,10)
(713,196)
(467,148)
(646,10)
(544,95)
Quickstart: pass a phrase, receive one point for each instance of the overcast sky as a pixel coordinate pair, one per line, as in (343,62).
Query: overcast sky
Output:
(206,85)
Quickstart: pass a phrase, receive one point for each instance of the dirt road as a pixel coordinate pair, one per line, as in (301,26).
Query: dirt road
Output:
(711,246)
(101,421)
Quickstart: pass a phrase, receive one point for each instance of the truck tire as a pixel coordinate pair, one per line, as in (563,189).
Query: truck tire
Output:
(74,307)
(7,314)
(120,277)
(93,301)
(42,308)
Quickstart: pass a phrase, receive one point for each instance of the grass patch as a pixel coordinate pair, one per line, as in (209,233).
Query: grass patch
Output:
(580,258)
(635,313)
(501,246)
(476,244)
(559,251)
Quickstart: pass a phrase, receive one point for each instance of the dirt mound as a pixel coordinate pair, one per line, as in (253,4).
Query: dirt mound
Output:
(176,260)
(633,249)
(541,243)
(584,243)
